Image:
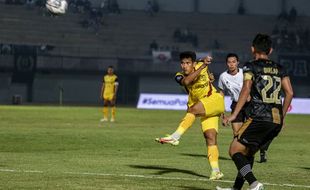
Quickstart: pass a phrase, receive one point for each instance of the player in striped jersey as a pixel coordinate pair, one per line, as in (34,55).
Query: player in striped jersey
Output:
(203,101)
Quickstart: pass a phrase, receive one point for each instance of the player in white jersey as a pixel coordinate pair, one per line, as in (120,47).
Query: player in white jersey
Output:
(231,82)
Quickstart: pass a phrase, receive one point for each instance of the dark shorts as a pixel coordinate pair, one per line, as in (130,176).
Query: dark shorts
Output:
(241,117)
(254,134)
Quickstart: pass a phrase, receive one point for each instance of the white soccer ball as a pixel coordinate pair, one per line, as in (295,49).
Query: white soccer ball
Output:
(57,6)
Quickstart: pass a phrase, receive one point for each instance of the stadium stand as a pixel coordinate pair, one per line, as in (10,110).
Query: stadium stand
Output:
(131,31)
(30,27)
(128,34)
(123,40)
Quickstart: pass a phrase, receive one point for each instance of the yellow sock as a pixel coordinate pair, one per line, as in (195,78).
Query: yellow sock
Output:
(105,112)
(186,123)
(113,112)
(213,156)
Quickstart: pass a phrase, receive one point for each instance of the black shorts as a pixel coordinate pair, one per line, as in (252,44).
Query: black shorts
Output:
(254,134)
(241,117)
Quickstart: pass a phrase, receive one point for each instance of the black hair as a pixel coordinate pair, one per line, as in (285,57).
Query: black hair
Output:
(262,43)
(232,55)
(188,54)
(111,66)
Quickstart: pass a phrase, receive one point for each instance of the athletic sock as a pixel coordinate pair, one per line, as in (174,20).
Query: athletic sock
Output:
(105,112)
(250,160)
(244,167)
(186,123)
(213,156)
(113,110)
(239,181)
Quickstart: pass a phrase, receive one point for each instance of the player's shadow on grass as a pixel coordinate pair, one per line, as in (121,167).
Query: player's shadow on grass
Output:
(305,168)
(165,170)
(203,156)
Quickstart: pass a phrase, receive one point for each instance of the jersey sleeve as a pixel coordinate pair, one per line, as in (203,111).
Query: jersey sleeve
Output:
(248,71)
(206,69)
(179,77)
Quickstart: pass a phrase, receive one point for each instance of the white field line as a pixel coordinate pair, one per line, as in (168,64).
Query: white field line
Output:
(151,177)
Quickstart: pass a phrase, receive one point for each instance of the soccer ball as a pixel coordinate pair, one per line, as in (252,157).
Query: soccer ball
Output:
(57,6)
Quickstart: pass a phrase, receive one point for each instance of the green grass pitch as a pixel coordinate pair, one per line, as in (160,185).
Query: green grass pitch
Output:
(54,147)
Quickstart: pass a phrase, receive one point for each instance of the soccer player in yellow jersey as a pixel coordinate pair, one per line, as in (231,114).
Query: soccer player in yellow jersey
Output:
(203,102)
(108,93)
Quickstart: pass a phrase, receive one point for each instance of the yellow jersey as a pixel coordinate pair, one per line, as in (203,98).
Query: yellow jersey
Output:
(200,88)
(109,84)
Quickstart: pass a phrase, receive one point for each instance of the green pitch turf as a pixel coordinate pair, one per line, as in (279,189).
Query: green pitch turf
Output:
(45,147)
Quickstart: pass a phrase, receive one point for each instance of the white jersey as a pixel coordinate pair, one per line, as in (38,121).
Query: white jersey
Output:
(231,84)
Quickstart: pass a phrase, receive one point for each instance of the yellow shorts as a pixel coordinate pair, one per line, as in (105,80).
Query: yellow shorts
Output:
(214,107)
(108,97)
(209,123)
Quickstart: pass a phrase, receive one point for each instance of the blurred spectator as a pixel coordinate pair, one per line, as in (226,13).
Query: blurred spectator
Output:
(44,48)
(241,9)
(293,14)
(87,5)
(104,6)
(155,6)
(114,7)
(149,8)
(30,4)
(153,46)
(185,36)
(291,39)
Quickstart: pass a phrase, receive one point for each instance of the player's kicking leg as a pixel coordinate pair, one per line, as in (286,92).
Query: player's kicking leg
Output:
(168,140)
(173,139)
